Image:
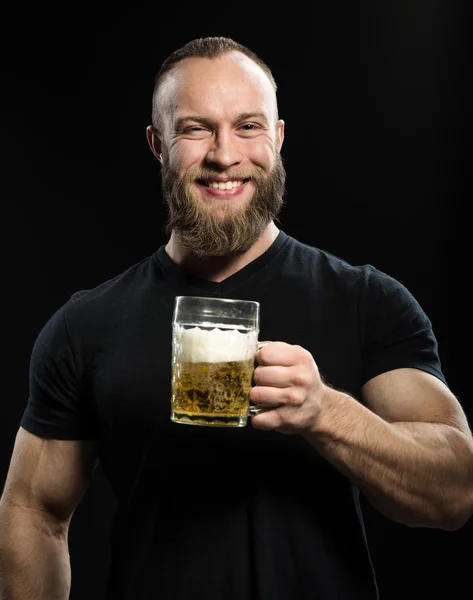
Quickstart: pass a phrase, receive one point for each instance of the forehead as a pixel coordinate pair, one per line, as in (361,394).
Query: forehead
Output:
(217,87)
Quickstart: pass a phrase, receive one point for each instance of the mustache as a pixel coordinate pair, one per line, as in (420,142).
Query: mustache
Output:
(204,173)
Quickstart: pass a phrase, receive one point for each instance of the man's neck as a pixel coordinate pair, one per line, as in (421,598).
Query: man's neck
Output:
(218,268)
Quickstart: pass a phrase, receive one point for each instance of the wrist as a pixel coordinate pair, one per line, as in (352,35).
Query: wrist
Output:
(335,415)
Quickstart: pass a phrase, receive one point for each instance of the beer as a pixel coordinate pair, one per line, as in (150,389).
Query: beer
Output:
(212,375)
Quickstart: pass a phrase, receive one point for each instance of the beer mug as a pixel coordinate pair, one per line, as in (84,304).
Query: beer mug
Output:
(214,342)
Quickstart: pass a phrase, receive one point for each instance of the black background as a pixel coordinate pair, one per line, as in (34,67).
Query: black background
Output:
(377,99)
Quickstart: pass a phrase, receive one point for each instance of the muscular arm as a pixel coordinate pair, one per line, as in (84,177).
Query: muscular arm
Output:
(47,479)
(409,449)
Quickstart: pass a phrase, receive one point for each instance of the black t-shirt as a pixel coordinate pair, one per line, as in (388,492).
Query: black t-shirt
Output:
(223,513)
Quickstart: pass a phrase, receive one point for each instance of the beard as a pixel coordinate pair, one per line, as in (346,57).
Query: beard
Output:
(222,232)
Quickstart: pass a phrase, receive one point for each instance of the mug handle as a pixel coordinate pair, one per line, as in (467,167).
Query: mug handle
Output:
(254,408)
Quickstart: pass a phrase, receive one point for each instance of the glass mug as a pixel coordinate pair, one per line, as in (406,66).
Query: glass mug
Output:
(214,342)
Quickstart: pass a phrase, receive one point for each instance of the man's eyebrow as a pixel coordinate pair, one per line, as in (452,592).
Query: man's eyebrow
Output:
(252,115)
(205,121)
(181,120)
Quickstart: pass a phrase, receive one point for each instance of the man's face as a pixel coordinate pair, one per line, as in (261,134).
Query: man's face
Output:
(222,174)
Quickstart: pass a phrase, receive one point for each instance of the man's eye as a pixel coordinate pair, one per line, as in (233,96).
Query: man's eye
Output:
(248,126)
(194,131)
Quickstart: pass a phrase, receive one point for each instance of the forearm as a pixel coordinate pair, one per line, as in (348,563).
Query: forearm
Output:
(409,471)
(34,557)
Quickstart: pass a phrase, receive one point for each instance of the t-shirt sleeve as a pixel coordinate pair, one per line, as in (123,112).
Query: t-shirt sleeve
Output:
(57,407)
(397,332)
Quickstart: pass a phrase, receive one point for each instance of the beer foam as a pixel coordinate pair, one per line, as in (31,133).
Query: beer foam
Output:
(216,345)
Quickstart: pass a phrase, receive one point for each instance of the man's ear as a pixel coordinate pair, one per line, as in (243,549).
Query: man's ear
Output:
(154,141)
(279,134)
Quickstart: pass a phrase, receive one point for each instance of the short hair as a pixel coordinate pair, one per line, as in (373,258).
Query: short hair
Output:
(205,47)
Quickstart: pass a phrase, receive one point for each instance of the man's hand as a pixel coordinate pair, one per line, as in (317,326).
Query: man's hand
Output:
(288,383)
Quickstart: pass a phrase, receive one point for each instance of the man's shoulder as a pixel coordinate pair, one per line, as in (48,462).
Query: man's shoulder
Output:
(308,264)
(129,282)
(316,258)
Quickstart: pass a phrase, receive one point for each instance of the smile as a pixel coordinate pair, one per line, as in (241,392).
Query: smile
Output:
(222,185)
(223,190)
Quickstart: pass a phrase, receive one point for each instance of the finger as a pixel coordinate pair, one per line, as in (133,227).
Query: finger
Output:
(266,421)
(278,353)
(266,396)
(275,376)
(262,344)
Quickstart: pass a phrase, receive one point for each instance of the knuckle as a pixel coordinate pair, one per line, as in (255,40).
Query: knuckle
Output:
(280,422)
(305,357)
(300,377)
(301,352)
(295,396)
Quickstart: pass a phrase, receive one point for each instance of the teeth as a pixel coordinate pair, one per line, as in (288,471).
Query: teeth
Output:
(224,185)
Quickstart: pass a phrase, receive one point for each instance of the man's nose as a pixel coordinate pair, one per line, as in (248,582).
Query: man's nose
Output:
(224,150)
